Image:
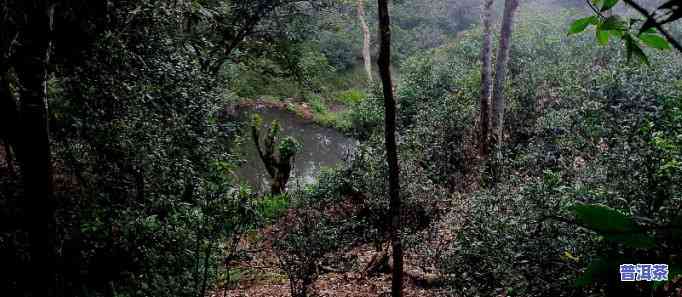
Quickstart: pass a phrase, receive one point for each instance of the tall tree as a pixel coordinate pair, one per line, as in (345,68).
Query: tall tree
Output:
(35,18)
(486,77)
(391,146)
(366,38)
(498,100)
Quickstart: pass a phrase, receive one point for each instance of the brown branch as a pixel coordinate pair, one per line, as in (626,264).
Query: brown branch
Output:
(383,262)
(589,3)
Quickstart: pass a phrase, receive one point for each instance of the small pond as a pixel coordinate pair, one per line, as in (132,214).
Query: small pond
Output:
(322,147)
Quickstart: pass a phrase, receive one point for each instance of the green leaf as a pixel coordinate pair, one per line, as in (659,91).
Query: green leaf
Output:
(608,4)
(649,31)
(580,25)
(617,33)
(633,49)
(650,24)
(602,37)
(603,219)
(613,225)
(655,41)
(632,240)
(597,269)
(614,23)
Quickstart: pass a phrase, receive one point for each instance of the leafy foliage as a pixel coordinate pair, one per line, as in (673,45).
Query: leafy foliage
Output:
(618,26)
(142,163)
(575,158)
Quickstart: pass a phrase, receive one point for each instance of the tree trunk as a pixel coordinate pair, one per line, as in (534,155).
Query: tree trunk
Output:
(278,166)
(284,166)
(34,143)
(381,262)
(391,146)
(486,78)
(8,116)
(498,100)
(207,262)
(366,38)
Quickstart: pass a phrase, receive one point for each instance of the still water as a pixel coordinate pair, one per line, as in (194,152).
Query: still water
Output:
(322,147)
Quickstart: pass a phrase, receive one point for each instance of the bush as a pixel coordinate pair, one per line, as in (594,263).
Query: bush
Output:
(367,117)
(509,245)
(303,239)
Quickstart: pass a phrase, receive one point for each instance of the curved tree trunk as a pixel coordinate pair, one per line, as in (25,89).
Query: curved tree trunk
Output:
(486,77)
(366,39)
(498,99)
(391,146)
(278,165)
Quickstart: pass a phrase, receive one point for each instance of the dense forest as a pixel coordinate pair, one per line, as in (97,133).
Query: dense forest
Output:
(340,148)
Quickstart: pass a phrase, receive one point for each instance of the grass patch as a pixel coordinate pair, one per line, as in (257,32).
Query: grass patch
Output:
(337,120)
(350,97)
(317,104)
(323,115)
(271,207)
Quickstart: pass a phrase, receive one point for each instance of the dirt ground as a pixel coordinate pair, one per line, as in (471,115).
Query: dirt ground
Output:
(269,281)
(261,275)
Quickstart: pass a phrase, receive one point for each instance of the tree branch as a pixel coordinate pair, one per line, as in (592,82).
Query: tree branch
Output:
(658,26)
(589,3)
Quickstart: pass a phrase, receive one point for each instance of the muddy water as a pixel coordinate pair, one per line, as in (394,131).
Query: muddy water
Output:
(322,147)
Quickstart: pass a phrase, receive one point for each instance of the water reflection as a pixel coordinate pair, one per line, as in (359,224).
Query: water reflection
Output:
(322,147)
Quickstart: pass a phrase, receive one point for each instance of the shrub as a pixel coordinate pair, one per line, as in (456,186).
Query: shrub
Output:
(593,131)
(367,117)
(303,239)
(142,194)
